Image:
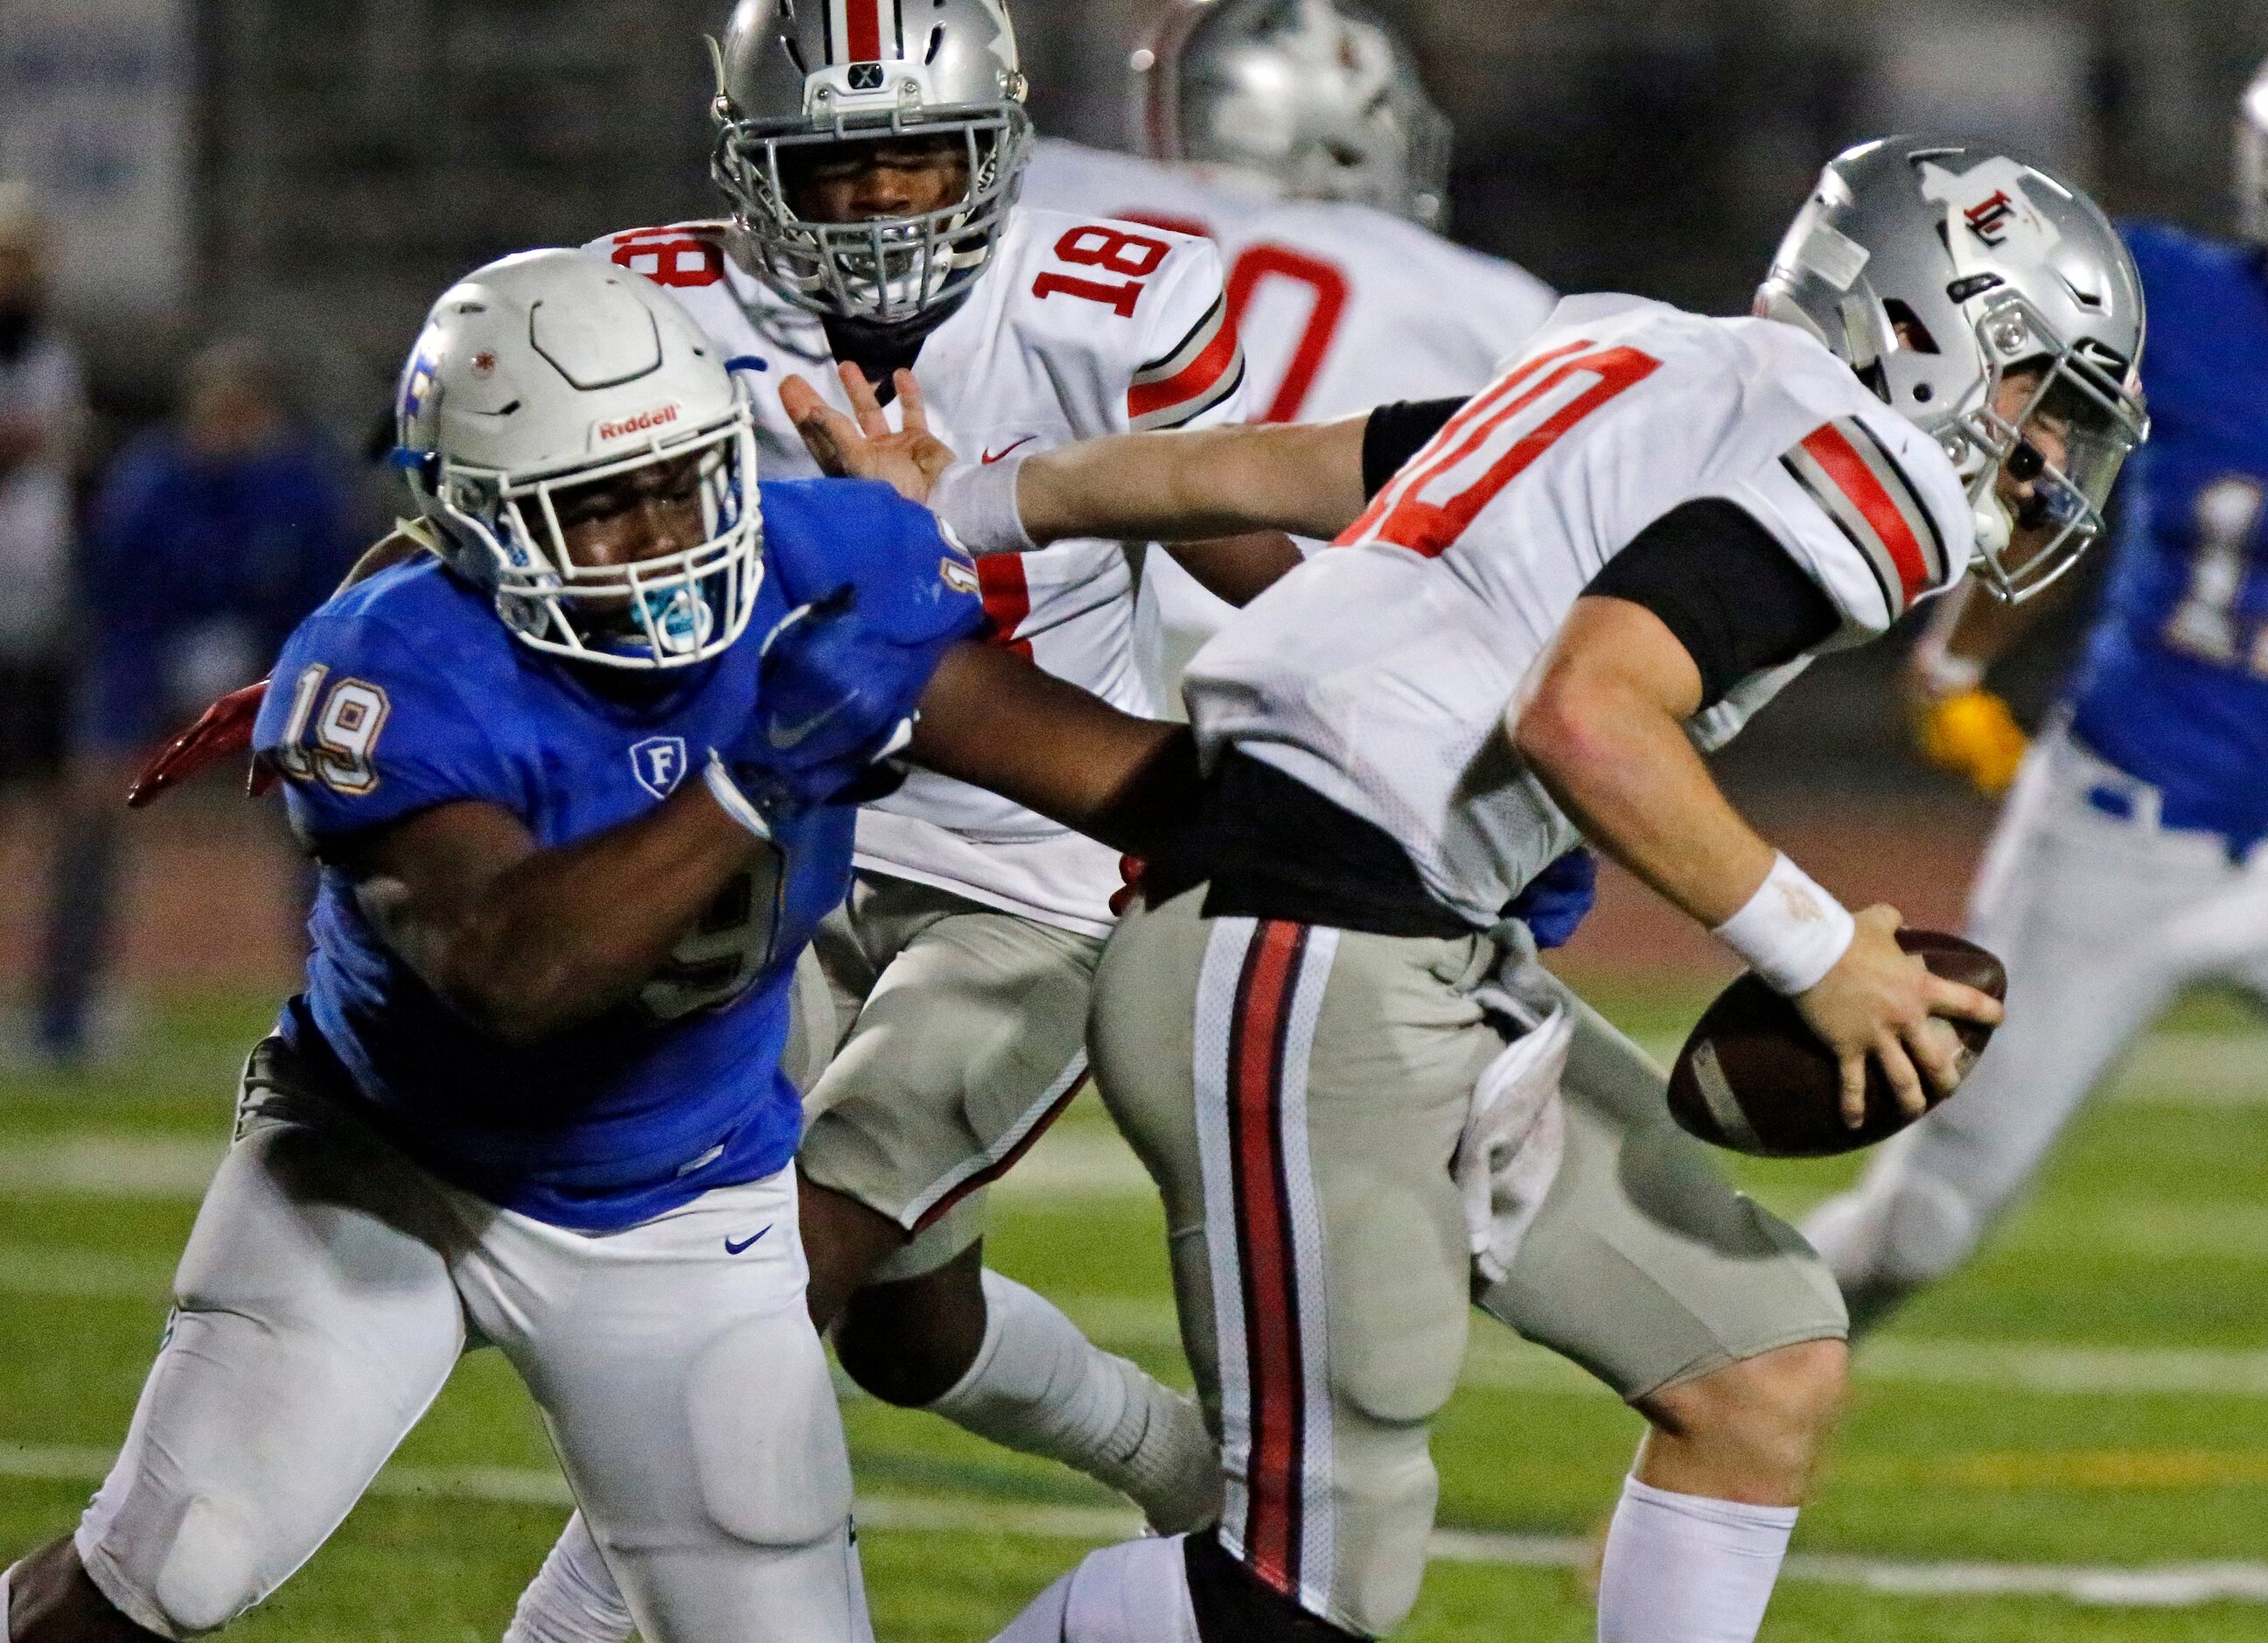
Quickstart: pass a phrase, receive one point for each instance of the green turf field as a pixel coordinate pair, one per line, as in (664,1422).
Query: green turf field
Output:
(2093,1397)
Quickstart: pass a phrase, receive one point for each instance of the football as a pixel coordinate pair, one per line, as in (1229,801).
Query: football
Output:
(1753,1077)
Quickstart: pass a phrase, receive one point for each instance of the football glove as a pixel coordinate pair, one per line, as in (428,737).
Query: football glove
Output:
(1557,898)
(1972,733)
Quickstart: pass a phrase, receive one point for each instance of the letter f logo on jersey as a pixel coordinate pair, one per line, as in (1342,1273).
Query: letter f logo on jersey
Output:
(659,764)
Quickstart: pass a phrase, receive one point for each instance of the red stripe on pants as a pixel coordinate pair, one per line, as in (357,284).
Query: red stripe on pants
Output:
(1266,1258)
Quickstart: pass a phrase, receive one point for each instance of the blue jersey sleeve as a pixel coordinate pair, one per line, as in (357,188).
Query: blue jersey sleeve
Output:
(824,538)
(365,727)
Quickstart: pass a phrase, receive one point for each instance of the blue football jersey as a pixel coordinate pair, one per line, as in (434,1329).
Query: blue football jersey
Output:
(408,691)
(2174,685)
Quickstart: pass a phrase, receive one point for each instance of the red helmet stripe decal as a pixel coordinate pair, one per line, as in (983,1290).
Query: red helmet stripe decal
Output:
(859,28)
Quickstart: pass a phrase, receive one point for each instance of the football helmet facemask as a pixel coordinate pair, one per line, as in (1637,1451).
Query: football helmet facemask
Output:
(796,76)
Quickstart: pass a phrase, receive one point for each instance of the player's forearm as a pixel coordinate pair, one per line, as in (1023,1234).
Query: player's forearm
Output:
(1626,775)
(1969,631)
(1188,485)
(1239,568)
(553,939)
(995,721)
(1602,728)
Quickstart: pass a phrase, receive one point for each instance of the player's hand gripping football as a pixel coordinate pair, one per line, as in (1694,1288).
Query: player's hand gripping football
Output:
(863,445)
(1882,1001)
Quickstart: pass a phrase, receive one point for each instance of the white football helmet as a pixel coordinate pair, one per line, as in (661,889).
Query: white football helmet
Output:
(1310,99)
(1936,269)
(554,370)
(797,74)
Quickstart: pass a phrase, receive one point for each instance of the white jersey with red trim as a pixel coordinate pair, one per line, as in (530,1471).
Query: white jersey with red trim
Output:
(1379,672)
(1077,329)
(1340,308)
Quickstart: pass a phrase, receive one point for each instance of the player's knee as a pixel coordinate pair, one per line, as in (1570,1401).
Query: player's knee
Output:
(1930,1228)
(910,1343)
(767,1437)
(1776,1407)
(211,1572)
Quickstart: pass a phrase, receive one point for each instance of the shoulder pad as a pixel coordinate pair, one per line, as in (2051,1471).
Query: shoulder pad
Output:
(828,538)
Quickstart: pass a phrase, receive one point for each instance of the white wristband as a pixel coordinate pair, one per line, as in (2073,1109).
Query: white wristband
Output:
(1792,931)
(736,804)
(976,503)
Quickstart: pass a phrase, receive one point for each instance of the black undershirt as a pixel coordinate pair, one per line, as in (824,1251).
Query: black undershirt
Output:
(1271,847)
(883,350)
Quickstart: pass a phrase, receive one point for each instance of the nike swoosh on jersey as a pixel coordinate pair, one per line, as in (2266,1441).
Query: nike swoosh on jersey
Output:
(990,457)
(786,736)
(734,1249)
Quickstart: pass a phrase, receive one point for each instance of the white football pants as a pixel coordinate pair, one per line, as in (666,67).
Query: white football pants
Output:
(329,1288)
(2101,921)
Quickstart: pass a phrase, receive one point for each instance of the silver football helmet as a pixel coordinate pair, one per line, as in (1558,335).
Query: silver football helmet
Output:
(795,76)
(1935,270)
(2252,160)
(1311,99)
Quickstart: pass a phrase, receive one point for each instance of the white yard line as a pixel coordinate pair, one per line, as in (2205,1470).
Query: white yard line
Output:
(2169,1585)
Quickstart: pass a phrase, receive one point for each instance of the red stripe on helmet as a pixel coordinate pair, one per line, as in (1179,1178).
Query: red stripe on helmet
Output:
(863,30)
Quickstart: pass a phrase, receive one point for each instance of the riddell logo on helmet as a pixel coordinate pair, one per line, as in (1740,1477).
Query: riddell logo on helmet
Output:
(644,422)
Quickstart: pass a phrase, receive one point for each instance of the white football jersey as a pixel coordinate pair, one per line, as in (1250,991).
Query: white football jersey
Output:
(1340,308)
(1379,672)
(1077,329)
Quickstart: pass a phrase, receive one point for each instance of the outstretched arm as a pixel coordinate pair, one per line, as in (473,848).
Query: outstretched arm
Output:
(992,719)
(1187,485)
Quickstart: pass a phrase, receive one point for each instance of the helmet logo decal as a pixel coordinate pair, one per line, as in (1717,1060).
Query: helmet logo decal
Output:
(644,422)
(659,762)
(484,365)
(1988,219)
(1989,216)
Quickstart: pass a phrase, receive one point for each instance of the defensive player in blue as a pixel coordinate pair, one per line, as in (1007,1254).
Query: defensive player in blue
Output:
(2128,863)
(581,776)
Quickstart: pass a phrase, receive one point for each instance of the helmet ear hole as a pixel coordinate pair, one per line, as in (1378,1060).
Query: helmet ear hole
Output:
(1912,335)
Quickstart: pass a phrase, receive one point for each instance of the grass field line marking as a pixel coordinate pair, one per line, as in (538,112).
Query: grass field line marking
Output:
(2170,1585)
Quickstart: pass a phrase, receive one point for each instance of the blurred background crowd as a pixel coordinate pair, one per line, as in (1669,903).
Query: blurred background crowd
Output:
(220,221)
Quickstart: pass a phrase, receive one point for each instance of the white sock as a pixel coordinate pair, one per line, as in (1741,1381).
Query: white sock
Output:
(1685,1569)
(1138,1592)
(1040,1386)
(573,1598)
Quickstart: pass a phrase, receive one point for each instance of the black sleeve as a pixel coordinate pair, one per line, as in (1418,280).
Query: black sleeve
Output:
(1721,583)
(1397,432)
